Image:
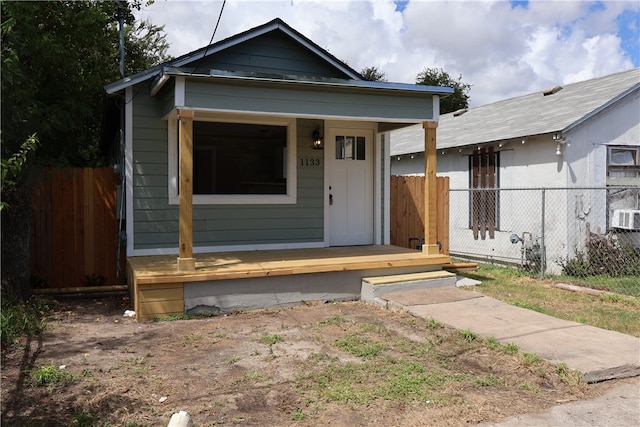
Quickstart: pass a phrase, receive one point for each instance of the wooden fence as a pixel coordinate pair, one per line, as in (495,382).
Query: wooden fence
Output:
(75,231)
(407,211)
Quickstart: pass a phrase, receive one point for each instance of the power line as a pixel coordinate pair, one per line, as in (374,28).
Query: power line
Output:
(212,36)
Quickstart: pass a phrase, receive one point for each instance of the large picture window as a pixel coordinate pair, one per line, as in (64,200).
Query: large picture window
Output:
(239,158)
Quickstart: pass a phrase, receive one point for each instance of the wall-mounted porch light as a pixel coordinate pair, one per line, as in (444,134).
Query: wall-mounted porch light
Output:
(317,139)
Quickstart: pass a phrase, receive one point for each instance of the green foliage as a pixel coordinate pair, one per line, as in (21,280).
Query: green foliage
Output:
(459,99)
(468,335)
(271,339)
(56,58)
(50,375)
(360,346)
(22,319)
(11,168)
(373,74)
(603,256)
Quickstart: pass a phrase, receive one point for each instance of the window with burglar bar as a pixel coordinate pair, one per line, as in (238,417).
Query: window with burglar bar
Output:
(484,204)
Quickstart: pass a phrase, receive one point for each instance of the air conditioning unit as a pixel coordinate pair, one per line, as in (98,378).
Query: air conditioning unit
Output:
(626,219)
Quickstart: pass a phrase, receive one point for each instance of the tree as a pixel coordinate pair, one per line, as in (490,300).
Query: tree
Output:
(56,58)
(63,53)
(438,77)
(373,74)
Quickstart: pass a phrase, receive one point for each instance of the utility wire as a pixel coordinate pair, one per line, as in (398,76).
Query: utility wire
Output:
(212,36)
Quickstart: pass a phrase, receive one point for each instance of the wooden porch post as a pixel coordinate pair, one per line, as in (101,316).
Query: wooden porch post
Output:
(186,262)
(430,246)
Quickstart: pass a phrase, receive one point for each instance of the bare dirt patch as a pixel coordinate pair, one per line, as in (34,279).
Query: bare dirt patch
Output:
(336,364)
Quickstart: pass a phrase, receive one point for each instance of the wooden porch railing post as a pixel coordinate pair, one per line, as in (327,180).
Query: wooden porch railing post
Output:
(186,262)
(430,246)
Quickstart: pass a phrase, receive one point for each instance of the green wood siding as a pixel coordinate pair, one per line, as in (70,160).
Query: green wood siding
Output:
(271,53)
(325,101)
(156,221)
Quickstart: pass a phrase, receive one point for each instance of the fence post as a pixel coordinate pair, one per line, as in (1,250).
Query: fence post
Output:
(543,252)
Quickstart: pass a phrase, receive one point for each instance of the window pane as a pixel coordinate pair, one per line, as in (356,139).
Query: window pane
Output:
(348,147)
(360,151)
(239,158)
(340,147)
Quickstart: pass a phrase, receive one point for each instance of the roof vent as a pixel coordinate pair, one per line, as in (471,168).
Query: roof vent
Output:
(552,90)
(459,112)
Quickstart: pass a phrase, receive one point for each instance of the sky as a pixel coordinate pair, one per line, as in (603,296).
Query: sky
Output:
(501,48)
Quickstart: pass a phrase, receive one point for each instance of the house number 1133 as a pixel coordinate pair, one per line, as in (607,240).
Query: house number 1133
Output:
(309,162)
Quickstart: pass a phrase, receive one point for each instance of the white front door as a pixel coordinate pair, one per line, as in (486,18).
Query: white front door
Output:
(350,155)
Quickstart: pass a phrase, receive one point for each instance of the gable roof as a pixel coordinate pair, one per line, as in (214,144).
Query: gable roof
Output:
(274,25)
(524,116)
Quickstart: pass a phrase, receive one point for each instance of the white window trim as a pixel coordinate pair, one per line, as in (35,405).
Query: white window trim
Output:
(235,199)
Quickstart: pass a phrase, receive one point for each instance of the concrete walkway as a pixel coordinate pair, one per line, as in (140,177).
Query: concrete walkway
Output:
(597,353)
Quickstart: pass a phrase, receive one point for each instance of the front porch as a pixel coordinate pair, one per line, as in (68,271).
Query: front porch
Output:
(230,281)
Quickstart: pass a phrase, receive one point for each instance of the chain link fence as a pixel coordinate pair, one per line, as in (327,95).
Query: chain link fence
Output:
(579,232)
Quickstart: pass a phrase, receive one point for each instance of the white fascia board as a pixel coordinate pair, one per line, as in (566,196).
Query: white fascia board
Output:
(128,160)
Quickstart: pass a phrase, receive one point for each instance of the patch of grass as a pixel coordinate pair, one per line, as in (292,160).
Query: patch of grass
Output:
(335,320)
(529,387)
(22,319)
(271,339)
(360,346)
(51,376)
(568,376)
(489,380)
(468,335)
(433,324)
(510,348)
(530,359)
(183,316)
(233,360)
(493,343)
(609,311)
(298,415)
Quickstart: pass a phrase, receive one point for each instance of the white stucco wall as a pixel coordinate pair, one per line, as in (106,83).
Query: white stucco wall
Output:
(569,214)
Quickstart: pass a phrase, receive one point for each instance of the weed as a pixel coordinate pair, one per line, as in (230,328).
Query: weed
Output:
(530,358)
(488,380)
(298,415)
(493,343)
(360,346)
(82,418)
(433,324)
(566,375)
(529,387)
(233,360)
(335,320)
(468,335)
(510,348)
(22,319)
(271,339)
(612,298)
(50,375)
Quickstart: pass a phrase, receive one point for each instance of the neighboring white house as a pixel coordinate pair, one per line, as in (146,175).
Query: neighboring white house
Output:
(575,137)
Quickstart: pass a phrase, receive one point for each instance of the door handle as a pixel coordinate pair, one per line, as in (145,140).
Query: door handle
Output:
(330,199)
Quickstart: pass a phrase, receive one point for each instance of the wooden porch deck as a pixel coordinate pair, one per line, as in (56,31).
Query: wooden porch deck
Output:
(159,289)
(241,265)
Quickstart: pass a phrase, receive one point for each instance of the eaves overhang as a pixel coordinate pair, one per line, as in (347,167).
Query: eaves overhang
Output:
(259,79)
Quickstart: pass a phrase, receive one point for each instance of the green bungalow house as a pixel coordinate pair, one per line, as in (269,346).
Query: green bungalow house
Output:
(256,173)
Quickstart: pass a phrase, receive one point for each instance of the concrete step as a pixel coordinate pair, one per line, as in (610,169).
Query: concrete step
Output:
(375,287)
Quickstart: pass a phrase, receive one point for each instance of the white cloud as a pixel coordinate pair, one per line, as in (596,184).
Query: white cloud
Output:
(500,50)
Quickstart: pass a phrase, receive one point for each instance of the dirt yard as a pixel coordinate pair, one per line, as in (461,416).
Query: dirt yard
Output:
(342,364)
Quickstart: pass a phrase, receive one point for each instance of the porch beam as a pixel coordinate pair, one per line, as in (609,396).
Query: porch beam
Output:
(186,261)
(430,246)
